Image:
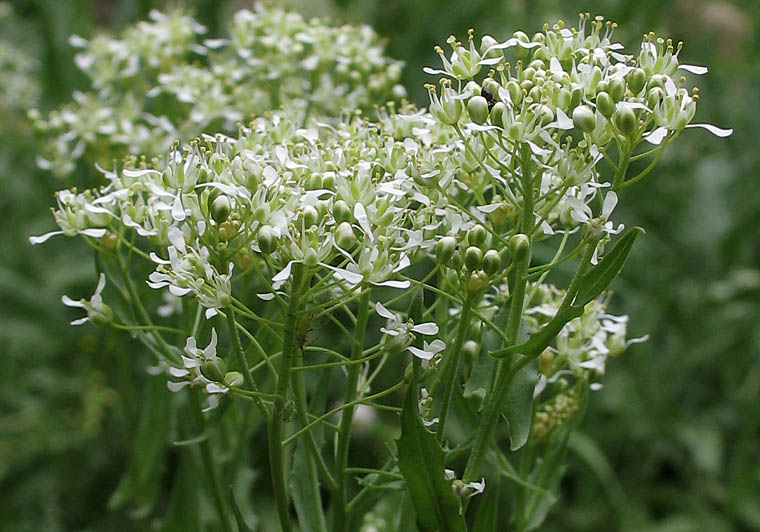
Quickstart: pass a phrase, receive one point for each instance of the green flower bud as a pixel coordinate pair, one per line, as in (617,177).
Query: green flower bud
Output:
(266,239)
(515,92)
(519,246)
(444,249)
(605,104)
(214,369)
(310,216)
(457,261)
(515,130)
(314,182)
(564,98)
(546,362)
(220,208)
(491,262)
(485,43)
(575,97)
(472,88)
(226,231)
(584,118)
(233,378)
(476,281)
(473,257)
(341,211)
(497,114)
(617,89)
(545,114)
(658,80)
(520,52)
(637,78)
(477,108)
(625,120)
(470,350)
(476,235)
(344,236)
(328,182)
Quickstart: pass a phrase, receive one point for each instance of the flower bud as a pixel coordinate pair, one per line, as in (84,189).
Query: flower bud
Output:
(328,182)
(497,114)
(605,104)
(491,262)
(546,362)
(344,236)
(485,43)
(233,378)
(267,240)
(214,369)
(226,231)
(220,208)
(471,88)
(625,120)
(477,108)
(476,235)
(515,92)
(473,258)
(584,118)
(519,246)
(310,216)
(314,182)
(637,78)
(470,350)
(341,211)
(654,96)
(476,281)
(444,249)
(617,88)
(521,52)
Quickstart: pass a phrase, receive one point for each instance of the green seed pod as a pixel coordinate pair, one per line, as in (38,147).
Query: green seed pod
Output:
(220,208)
(328,182)
(310,216)
(477,108)
(341,211)
(497,114)
(214,369)
(625,120)
(344,236)
(637,78)
(476,235)
(519,246)
(654,96)
(605,104)
(444,249)
(491,262)
(310,258)
(267,240)
(515,92)
(473,258)
(314,182)
(233,378)
(584,118)
(617,89)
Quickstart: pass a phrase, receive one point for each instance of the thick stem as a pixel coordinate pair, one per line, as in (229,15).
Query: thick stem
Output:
(340,517)
(453,367)
(276,455)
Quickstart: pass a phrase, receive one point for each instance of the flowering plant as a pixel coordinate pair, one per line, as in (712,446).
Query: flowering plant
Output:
(397,268)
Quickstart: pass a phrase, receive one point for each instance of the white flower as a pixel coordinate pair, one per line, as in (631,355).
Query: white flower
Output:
(97,311)
(193,365)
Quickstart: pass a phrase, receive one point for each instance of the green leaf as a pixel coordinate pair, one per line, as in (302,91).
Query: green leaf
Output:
(420,459)
(518,408)
(304,485)
(140,484)
(487,518)
(600,276)
(539,341)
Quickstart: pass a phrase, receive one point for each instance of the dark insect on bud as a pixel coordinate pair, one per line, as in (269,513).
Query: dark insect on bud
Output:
(486,93)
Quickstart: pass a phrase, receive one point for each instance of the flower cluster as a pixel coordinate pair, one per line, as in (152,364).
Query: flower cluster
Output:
(163,81)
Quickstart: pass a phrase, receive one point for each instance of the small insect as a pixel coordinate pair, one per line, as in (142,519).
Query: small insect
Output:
(303,329)
(486,93)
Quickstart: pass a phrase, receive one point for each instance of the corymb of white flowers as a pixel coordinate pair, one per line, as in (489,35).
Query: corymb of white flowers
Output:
(443,224)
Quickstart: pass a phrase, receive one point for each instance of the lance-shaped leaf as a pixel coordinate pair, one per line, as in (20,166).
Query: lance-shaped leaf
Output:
(518,407)
(540,340)
(420,459)
(600,276)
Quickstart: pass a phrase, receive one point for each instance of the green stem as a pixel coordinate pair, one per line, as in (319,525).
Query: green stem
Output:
(453,367)
(340,517)
(625,159)
(208,463)
(588,253)
(276,422)
(247,377)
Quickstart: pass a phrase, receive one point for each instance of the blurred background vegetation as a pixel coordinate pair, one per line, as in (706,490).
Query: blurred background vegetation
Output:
(672,442)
